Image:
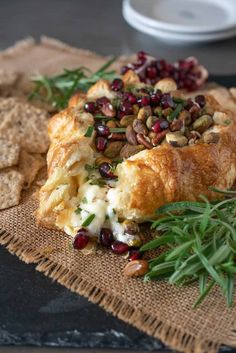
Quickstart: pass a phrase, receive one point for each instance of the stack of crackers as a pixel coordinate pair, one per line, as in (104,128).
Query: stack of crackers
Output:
(23,144)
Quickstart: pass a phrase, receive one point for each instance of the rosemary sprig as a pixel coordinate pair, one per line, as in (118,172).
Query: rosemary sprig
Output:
(57,90)
(198,244)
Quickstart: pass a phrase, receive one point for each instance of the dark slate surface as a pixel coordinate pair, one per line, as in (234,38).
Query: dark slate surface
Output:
(36,311)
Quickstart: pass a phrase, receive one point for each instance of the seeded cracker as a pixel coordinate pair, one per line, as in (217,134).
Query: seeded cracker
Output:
(9,153)
(11,183)
(24,124)
(29,165)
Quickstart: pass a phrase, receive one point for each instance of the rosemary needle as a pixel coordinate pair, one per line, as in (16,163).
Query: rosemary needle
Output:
(198,243)
(57,90)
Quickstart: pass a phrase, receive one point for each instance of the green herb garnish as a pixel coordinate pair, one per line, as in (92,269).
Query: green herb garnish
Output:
(78,210)
(98,181)
(88,220)
(175,113)
(57,90)
(90,168)
(198,243)
(227,122)
(98,116)
(117,129)
(89,131)
(84,200)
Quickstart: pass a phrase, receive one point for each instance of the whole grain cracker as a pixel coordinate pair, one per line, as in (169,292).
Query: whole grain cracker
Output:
(29,165)
(24,124)
(8,78)
(11,183)
(9,153)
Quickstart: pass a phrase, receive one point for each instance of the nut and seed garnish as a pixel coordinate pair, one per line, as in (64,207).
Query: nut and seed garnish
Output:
(198,242)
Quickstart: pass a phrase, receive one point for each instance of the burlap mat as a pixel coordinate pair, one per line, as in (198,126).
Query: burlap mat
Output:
(161,310)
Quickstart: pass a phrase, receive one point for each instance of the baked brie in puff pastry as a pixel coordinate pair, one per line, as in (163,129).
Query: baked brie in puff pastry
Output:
(124,149)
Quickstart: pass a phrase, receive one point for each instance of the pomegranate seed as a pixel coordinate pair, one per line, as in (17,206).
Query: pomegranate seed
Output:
(119,248)
(90,107)
(142,56)
(105,169)
(135,254)
(167,101)
(81,239)
(102,130)
(200,99)
(161,64)
(106,237)
(189,104)
(156,97)
(132,99)
(157,127)
(101,143)
(144,101)
(117,85)
(185,64)
(126,107)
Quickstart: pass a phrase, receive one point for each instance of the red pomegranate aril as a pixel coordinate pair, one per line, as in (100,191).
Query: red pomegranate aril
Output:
(142,56)
(200,99)
(151,71)
(132,99)
(81,239)
(189,104)
(135,254)
(90,107)
(102,130)
(119,248)
(117,85)
(157,127)
(126,107)
(143,101)
(105,170)
(101,144)
(106,237)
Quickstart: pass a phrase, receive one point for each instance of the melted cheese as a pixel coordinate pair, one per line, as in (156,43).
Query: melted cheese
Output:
(97,200)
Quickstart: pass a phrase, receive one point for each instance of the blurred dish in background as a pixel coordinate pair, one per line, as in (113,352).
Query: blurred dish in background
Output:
(188,21)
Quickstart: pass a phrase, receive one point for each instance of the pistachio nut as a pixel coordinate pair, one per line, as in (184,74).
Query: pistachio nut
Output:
(130,227)
(202,123)
(221,118)
(102,159)
(166,85)
(139,127)
(113,149)
(176,139)
(129,150)
(143,140)
(144,113)
(210,137)
(131,135)
(127,120)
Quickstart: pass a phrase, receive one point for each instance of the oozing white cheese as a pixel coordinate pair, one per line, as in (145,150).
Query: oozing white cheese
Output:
(97,200)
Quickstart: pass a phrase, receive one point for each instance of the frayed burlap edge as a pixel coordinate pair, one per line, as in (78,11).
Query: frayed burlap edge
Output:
(173,337)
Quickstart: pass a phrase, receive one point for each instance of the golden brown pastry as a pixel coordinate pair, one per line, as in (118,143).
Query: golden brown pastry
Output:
(172,149)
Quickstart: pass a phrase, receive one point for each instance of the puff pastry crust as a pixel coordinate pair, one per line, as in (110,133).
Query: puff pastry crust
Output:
(146,180)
